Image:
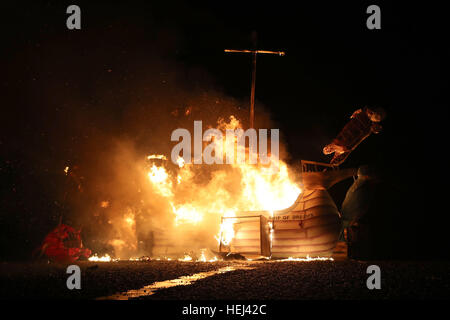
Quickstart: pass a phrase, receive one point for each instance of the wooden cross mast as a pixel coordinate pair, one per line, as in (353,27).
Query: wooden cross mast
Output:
(252,95)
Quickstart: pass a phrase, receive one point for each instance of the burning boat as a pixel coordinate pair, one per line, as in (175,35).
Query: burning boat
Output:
(310,227)
(183,208)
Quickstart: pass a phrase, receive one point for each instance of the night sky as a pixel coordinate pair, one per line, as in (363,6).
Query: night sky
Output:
(62,89)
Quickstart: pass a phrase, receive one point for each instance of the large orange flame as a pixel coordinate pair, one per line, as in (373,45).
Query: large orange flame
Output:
(227,191)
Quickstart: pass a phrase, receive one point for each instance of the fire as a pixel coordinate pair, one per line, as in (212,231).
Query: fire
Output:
(104,204)
(308,259)
(130,220)
(196,197)
(158,174)
(186,258)
(96,258)
(187,214)
(202,257)
(226,233)
(268,192)
(156,156)
(180,162)
(160,178)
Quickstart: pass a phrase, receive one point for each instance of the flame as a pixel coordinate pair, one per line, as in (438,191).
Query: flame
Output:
(156,156)
(186,258)
(186,214)
(196,197)
(308,258)
(130,220)
(180,162)
(96,258)
(226,233)
(268,192)
(202,257)
(160,178)
(232,124)
(104,204)
(258,191)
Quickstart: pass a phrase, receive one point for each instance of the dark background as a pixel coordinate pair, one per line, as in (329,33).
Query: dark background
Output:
(333,66)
